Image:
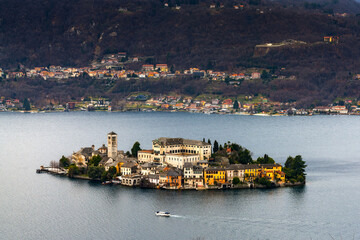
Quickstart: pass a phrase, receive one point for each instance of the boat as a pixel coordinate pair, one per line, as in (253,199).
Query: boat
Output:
(106,183)
(162,214)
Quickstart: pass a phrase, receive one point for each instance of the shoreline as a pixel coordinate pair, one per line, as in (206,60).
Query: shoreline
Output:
(220,187)
(172,111)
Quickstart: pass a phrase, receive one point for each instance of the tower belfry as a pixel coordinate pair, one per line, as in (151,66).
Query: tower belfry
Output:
(112,144)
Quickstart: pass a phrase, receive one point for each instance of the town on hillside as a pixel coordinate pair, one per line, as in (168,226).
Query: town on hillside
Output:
(241,105)
(177,163)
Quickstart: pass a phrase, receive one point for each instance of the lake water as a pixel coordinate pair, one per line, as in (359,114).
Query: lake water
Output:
(42,206)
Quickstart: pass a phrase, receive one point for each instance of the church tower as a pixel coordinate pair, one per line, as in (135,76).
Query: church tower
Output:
(112,145)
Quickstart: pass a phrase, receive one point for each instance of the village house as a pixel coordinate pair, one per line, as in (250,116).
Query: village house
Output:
(272,171)
(255,75)
(81,157)
(214,175)
(251,172)
(153,178)
(148,67)
(339,110)
(235,170)
(227,103)
(128,168)
(148,168)
(193,176)
(162,67)
(173,179)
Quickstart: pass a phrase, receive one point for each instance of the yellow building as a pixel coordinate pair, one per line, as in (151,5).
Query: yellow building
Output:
(212,175)
(162,67)
(251,172)
(272,172)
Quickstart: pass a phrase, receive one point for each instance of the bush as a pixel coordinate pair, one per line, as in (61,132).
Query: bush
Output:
(236,180)
(95,172)
(73,170)
(264,181)
(300,179)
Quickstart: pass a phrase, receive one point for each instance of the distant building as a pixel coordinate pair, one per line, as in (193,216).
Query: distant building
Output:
(331,39)
(162,67)
(112,145)
(148,67)
(255,75)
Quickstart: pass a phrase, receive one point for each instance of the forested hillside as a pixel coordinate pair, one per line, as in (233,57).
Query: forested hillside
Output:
(77,32)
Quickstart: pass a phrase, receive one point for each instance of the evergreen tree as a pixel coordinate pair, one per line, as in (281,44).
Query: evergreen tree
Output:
(203,139)
(236,105)
(135,149)
(26,105)
(265,160)
(209,141)
(216,146)
(295,169)
(64,161)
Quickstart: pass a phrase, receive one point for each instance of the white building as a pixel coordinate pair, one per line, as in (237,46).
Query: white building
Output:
(179,159)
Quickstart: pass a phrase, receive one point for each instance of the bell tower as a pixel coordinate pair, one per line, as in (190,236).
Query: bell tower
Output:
(112,145)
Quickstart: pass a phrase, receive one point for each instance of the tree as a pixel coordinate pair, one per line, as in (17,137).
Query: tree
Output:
(73,170)
(112,171)
(105,176)
(95,160)
(64,162)
(26,105)
(295,169)
(221,148)
(95,172)
(216,146)
(263,181)
(236,180)
(203,140)
(209,141)
(54,164)
(135,149)
(236,105)
(265,160)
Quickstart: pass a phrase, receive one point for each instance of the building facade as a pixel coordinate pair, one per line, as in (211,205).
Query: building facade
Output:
(112,145)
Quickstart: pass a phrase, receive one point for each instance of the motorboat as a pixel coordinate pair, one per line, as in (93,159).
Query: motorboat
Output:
(162,214)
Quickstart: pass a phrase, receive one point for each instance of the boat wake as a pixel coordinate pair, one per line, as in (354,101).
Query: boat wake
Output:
(177,216)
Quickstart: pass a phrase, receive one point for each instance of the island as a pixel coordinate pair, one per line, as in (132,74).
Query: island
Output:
(178,163)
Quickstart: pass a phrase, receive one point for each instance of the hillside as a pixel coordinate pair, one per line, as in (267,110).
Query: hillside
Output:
(76,32)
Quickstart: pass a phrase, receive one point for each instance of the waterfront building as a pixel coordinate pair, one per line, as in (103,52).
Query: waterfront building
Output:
(112,145)
(251,171)
(131,180)
(235,170)
(154,179)
(272,171)
(173,179)
(214,175)
(81,157)
(128,168)
(193,176)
